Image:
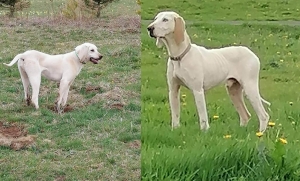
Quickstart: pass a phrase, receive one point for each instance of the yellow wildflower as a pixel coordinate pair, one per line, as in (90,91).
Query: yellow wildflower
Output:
(291,103)
(227,136)
(184,104)
(183,96)
(290,53)
(278,52)
(259,134)
(293,122)
(271,124)
(195,35)
(216,117)
(282,140)
(281,60)
(209,39)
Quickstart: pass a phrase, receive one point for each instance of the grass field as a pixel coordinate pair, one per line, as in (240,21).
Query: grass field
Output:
(226,151)
(226,9)
(99,139)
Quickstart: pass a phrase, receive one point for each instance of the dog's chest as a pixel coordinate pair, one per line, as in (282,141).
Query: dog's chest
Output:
(184,75)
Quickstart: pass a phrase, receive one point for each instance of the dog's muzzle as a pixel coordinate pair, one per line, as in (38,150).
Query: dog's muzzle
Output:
(96,60)
(150,30)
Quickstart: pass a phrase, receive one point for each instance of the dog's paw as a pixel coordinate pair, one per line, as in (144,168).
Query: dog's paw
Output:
(175,126)
(204,126)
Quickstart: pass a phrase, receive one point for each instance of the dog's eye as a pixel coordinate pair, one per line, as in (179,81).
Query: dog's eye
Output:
(92,50)
(165,20)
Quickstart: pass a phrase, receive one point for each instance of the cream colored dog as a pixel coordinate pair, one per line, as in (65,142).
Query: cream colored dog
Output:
(60,68)
(200,69)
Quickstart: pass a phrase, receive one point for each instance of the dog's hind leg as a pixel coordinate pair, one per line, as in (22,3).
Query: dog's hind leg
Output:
(26,84)
(235,92)
(33,71)
(252,93)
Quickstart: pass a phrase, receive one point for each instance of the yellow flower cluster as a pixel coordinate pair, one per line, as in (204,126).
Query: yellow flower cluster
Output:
(282,140)
(216,117)
(259,134)
(227,136)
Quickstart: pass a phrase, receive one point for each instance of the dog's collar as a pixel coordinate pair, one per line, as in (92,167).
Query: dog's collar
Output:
(79,58)
(182,55)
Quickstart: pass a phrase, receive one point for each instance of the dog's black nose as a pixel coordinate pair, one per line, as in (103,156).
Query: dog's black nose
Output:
(150,29)
(100,57)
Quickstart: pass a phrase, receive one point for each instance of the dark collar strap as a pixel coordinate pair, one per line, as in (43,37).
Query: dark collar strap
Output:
(183,54)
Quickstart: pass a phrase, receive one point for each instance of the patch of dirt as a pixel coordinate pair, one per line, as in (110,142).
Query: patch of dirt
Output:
(118,106)
(136,144)
(113,99)
(67,108)
(92,88)
(15,136)
(60,178)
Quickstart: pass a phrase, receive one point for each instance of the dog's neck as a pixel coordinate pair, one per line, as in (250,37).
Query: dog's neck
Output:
(174,49)
(81,61)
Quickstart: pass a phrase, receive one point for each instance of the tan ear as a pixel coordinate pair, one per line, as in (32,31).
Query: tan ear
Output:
(82,51)
(179,30)
(159,42)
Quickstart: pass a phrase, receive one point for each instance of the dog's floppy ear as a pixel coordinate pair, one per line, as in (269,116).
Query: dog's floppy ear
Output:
(82,52)
(159,42)
(179,30)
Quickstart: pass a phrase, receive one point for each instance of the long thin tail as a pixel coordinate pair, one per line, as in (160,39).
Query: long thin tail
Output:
(14,60)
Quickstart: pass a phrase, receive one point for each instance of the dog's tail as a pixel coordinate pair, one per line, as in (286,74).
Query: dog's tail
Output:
(18,57)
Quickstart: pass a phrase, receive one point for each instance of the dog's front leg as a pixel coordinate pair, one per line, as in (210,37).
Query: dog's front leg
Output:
(201,108)
(173,96)
(63,93)
(174,104)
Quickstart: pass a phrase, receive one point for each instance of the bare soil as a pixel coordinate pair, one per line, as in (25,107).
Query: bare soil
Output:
(15,136)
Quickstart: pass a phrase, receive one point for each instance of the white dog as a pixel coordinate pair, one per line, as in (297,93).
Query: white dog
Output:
(200,69)
(60,68)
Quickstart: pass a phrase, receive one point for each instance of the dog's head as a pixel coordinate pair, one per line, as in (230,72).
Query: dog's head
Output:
(165,24)
(88,52)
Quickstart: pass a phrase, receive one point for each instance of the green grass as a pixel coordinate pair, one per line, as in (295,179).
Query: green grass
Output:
(93,141)
(207,10)
(188,153)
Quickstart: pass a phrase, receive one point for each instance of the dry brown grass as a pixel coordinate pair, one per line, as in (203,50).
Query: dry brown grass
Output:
(130,24)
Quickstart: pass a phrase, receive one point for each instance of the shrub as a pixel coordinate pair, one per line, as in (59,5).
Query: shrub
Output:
(14,5)
(75,9)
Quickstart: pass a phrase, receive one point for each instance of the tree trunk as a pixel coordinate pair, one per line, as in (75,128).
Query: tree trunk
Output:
(11,11)
(98,11)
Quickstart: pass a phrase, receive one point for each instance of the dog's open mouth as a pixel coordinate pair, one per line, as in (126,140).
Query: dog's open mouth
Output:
(95,60)
(151,34)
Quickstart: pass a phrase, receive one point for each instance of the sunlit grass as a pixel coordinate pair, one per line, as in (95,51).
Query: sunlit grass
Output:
(226,151)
